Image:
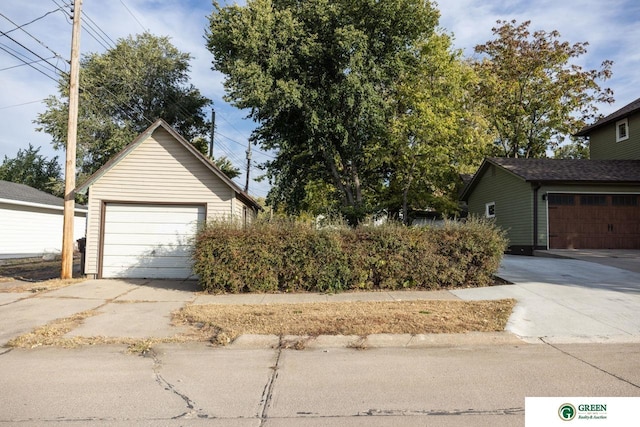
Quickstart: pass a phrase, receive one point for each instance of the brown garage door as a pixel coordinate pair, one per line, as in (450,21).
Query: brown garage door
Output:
(594,221)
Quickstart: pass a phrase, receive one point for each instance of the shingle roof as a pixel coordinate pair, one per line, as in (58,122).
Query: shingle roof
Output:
(557,171)
(24,193)
(549,170)
(619,114)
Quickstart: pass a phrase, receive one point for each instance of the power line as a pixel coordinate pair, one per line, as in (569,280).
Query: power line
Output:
(95,31)
(26,63)
(243,145)
(93,34)
(2,33)
(2,47)
(20,105)
(89,25)
(110,41)
(134,16)
(19,27)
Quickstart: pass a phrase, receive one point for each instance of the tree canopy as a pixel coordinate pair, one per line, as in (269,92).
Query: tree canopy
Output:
(320,79)
(31,168)
(533,93)
(122,92)
(436,133)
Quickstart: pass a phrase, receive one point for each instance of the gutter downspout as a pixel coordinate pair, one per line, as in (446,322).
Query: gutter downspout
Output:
(536,187)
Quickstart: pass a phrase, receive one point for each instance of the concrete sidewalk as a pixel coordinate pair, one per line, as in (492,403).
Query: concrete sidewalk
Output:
(142,309)
(559,301)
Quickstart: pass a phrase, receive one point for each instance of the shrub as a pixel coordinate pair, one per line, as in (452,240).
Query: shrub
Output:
(289,256)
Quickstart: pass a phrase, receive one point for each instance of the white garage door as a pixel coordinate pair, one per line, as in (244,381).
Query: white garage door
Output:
(149,241)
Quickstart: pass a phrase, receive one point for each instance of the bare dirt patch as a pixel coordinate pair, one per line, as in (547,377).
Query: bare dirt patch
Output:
(223,323)
(35,275)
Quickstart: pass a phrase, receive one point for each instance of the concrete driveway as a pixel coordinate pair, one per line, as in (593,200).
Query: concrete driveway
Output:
(567,300)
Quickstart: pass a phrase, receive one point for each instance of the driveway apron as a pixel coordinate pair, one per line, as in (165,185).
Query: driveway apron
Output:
(567,300)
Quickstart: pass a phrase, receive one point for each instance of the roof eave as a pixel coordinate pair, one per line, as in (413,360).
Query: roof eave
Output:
(146,134)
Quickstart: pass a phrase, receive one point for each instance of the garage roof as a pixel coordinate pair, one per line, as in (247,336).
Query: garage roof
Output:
(21,194)
(24,193)
(563,171)
(82,188)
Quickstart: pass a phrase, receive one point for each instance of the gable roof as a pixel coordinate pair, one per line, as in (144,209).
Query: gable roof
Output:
(82,188)
(628,109)
(558,171)
(21,194)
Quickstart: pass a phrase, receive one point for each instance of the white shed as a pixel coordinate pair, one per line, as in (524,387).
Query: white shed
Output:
(146,203)
(31,221)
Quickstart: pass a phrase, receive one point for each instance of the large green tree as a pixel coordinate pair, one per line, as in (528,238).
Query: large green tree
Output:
(122,91)
(31,168)
(534,94)
(319,77)
(437,132)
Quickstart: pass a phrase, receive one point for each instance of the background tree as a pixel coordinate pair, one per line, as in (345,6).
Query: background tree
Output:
(122,92)
(225,165)
(437,132)
(573,150)
(318,76)
(533,94)
(31,168)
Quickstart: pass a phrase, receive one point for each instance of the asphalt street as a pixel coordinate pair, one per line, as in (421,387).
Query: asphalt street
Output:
(194,384)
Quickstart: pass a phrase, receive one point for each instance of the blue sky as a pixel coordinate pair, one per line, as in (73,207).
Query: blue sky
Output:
(611,27)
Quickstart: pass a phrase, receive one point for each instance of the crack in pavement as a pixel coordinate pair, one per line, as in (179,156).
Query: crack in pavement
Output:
(590,364)
(7,350)
(267,393)
(406,413)
(192,412)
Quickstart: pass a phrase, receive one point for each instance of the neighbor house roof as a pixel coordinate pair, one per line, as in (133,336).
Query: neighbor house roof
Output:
(563,171)
(619,114)
(21,194)
(146,134)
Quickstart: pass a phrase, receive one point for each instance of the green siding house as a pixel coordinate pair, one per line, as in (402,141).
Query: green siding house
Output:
(616,136)
(568,204)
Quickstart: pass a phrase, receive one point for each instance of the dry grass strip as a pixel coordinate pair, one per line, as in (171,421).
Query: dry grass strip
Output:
(52,334)
(224,323)
(35,287)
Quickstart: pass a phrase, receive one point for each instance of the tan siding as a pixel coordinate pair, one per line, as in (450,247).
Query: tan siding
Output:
(158,170)
(514,203)
(603,145)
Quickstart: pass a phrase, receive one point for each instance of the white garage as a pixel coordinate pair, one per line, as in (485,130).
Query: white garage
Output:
(147,202)
(150,241)
(31,222)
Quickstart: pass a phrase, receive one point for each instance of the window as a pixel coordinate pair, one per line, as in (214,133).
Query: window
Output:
(624,200)
(562,199)
(593,200)
(622,130)
(490,210)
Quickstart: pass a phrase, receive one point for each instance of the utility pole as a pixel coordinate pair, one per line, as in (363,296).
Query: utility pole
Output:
(213,128)
(246,185)
(72,134)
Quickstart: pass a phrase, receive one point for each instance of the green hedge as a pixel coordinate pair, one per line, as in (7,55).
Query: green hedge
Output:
(296,257)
